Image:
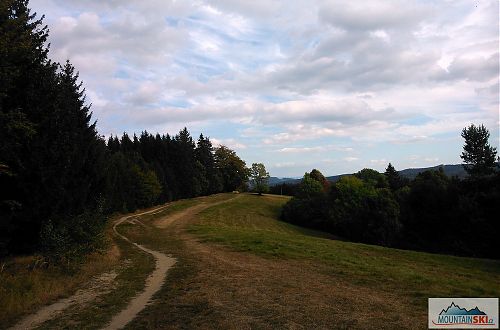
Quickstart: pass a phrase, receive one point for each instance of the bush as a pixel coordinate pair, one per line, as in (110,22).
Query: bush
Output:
(70,239)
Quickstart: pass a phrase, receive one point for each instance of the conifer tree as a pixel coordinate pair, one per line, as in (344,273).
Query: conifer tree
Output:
(27,92)
(393,178)
(187,170)
(205,155)
(47,140)
(479,157)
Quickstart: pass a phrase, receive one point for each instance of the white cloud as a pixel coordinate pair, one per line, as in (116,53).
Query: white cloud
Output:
(230,143)
(316,149)
(296,79)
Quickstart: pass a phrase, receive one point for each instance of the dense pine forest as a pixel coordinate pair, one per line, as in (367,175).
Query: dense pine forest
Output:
(59,178)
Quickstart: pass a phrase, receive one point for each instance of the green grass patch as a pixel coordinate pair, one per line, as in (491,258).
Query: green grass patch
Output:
(251,224)
(183,204)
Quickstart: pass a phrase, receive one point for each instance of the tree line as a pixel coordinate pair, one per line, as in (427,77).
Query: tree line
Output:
(432,213)
(59,179)
(152,169)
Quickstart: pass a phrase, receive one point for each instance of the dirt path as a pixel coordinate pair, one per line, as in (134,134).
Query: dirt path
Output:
(103,284)
(163,262)
(153,282)
(187,213)
(98,286)
(237,290)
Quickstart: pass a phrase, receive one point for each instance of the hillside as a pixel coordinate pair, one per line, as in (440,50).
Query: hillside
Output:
(238,266)
(378,284)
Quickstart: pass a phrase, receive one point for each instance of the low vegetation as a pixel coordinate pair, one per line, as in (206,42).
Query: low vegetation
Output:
(27,283)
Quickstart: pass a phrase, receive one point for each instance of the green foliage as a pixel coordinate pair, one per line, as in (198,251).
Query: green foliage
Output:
(479,157)
(49,143)
(440,214)
(308,206)
(149,189)
(432,213)
(318,176)
(372,178)
(352,209)
(309,187)
(394,180)
(128,186)
(364,213)
(259,177)
(68,240)
(205,156)
(232,169)
(193,182)
(152,169)
(285,189)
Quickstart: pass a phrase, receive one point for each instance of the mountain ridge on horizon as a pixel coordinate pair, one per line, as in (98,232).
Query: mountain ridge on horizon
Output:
(410,173)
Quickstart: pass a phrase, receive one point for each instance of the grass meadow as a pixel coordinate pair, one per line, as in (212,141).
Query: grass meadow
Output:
(251,224)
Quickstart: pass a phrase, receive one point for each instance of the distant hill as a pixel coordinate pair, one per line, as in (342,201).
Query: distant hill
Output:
(449,170)
(273,181)
(410,173)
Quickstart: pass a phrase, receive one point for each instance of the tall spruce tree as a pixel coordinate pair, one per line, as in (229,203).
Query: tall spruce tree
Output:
(393,178)
(187,170)
(47,140)
(27,85)
(205,156)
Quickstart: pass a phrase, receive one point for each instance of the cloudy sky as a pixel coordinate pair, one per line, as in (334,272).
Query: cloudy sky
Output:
(333,85)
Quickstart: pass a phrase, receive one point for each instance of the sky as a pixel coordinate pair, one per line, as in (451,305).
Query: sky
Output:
(296,85)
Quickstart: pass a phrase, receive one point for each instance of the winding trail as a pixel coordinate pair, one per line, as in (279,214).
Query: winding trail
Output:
(99,285)
(163,262)
(153,282)
(103,283)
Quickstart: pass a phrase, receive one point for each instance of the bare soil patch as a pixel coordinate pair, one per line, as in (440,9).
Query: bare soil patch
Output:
(153,282)
(100,285)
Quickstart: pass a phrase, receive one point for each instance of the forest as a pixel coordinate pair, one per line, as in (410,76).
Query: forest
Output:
(432,212)
(59,178)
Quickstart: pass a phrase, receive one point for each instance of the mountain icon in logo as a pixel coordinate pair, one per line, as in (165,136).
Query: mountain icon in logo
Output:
(456,310)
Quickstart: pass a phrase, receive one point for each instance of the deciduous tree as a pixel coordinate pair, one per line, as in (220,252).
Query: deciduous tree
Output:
(259,177)
(231,168)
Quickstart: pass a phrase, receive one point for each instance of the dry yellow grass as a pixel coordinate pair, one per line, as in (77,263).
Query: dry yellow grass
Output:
(27,284)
